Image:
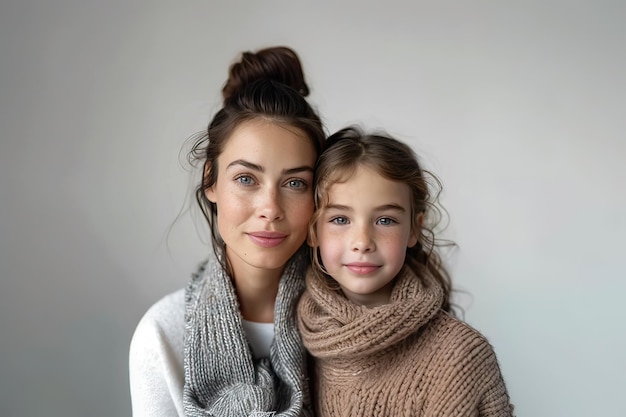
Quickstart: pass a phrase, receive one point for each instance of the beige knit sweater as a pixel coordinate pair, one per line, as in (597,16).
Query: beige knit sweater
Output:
(407,358)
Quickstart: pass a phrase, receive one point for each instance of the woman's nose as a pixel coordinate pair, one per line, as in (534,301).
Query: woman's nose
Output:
(270,208)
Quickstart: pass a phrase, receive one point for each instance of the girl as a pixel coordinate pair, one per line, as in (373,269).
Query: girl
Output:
(376,313)
(228,345)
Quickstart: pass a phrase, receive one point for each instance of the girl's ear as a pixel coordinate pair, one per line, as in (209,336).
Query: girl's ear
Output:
(415,232)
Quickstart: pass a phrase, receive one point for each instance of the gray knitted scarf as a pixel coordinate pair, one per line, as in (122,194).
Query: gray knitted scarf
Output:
(221,376)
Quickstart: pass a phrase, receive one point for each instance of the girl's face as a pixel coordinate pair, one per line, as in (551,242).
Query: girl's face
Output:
(263,194)
(363,234)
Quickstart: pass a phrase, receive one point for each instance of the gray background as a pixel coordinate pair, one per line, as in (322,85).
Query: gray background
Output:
(517,105)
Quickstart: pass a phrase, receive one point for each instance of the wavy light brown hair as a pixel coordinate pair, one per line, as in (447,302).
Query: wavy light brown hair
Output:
(350,148)
(268,84)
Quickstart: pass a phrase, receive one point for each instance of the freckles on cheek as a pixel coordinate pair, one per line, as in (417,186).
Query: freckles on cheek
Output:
(329,247)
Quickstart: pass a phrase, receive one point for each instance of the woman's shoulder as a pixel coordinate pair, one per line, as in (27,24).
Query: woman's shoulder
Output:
(156,358)
(164,322)
(166,313)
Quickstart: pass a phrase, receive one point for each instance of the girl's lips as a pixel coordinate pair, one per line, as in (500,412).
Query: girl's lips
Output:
(267,239)
(361,268)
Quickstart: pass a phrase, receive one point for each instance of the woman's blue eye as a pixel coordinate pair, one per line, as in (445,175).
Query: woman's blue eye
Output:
(245,180)
(339,220)
(298,184)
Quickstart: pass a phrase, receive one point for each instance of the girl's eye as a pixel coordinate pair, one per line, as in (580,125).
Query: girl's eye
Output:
(245,180)
(385,221)
(297,184)
(339,220)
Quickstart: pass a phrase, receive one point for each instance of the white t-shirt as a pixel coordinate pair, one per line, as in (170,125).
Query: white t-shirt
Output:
(260,337)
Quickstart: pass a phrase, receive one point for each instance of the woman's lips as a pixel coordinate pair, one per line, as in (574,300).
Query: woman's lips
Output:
(362,268)
(267,239)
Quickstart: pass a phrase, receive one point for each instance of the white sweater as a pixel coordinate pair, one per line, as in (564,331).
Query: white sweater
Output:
(156,359)
(156,367)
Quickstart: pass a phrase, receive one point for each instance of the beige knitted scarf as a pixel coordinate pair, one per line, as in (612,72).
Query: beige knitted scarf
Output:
(332,326)
(406,358)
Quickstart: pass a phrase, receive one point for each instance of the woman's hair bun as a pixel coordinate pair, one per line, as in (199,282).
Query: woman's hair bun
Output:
(278,63)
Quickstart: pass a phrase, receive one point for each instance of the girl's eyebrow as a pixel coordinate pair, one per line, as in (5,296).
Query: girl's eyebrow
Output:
(384,207)
(338,207)
(259,168)
(393,207)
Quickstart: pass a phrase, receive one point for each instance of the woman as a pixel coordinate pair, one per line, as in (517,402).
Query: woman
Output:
(228,344)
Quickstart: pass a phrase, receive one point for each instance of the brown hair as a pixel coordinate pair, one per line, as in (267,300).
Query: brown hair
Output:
(278,63)
(269,85)
(350,148)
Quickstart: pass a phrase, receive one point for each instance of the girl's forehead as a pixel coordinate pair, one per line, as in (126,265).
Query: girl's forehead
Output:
(363,179)
(338,174)
(346,173)
(366,192)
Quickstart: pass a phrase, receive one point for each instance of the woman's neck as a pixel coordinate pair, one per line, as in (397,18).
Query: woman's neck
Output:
(256,290)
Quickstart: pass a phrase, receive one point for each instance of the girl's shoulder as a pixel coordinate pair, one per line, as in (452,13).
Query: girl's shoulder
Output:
(457,338)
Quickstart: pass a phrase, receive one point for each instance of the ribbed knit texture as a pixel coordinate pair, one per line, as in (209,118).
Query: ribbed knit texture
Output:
(407,358)
(221,376)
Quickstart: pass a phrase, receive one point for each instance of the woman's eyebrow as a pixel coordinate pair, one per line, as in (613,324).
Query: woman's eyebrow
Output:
(259,168)
(304,168)
(246,164)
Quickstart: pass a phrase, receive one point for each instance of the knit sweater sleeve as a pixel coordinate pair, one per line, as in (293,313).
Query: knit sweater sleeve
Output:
(156,360)
(470,380)
(495,401)
(479,376)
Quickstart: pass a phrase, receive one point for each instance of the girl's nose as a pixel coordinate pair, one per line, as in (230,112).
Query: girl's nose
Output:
(362,240)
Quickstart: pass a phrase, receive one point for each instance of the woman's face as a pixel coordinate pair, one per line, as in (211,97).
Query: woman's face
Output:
(264,194)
